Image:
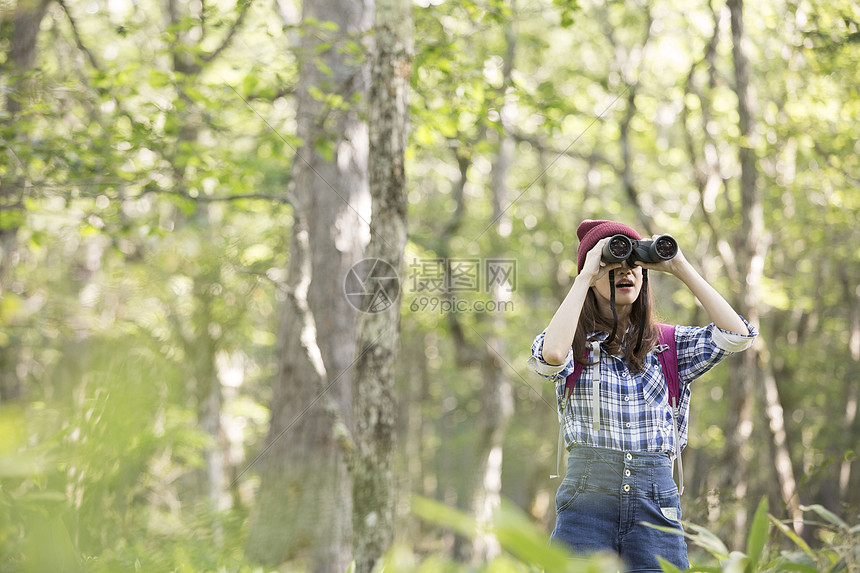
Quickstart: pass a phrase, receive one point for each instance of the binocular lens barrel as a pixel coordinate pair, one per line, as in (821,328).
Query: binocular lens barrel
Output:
(664,247)
(619,247)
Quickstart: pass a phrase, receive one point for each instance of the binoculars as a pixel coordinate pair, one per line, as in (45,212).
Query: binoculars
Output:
(622,248)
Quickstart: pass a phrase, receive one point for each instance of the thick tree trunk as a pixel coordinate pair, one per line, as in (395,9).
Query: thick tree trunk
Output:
(378,333)
(27,19)
(849,480)
(24,32)
(739,424)
(779,436)
(497,393)
(753,367)
(497,407)
(305,499)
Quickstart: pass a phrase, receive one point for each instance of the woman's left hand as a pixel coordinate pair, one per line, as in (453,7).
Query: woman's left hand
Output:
(719,310)
(672,266)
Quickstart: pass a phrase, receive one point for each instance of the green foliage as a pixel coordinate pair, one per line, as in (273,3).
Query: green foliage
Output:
(840,552)
(137,273)
(526,547)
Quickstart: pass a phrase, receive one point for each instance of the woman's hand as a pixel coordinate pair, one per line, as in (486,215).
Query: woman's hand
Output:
(719,310)
(674,266)
(594,268)
(562,328)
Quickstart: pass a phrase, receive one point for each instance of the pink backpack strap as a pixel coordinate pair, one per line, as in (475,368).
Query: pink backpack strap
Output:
(667,353)
(570,382)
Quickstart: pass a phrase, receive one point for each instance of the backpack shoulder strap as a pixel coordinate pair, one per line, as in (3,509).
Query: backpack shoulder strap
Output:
(669,361)
(570,382)
(668,357)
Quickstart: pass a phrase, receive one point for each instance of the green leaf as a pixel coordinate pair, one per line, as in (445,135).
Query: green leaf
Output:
(440,514)
(735,563)
(799,567)
(703,538)
(758,535)
(826,514)
(793,536)
(159,79)
(518,535)
(325,147)
(708,541)
(666,566)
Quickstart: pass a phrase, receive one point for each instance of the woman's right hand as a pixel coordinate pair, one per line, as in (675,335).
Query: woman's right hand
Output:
(562,328)
(594,268)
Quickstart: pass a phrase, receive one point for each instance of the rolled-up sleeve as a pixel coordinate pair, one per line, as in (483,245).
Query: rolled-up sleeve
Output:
(550,371)
(732,341)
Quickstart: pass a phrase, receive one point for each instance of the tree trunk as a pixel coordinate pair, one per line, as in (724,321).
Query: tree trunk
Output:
(378,332)
(305,488)
(849,481)
(739,423)
(779,435)
(24,31)
(497,394)
(751,242)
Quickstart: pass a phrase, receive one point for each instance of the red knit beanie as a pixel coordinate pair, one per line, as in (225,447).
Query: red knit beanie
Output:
(590,232)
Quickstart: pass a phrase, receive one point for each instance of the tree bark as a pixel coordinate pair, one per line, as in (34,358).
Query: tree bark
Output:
(378,333)
(24,32)
(849,481)
(739,423)
(305,500)
(753,366)
(496,394)
(779,435)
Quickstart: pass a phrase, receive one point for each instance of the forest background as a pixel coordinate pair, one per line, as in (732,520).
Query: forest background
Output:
(185,187)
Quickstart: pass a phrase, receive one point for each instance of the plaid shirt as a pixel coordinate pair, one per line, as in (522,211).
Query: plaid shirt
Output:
(634,407)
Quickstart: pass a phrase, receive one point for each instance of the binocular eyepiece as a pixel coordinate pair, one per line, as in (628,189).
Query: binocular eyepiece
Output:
(622,248)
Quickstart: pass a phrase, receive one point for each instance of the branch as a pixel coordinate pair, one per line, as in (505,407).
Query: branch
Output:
(466,353)
(451,227)
(626,67)
(246,4)
(624,128)
(538,144)
(279,93)
(709,179)
(77,36)
(285,200)
(627,160)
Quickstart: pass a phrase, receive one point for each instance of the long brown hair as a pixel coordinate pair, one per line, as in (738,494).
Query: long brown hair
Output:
(591,320)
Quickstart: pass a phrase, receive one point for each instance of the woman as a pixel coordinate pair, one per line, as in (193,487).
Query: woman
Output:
(619,471)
